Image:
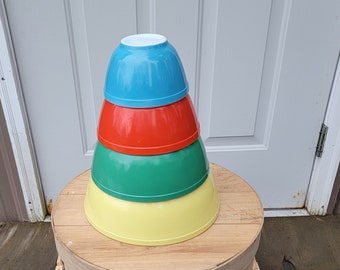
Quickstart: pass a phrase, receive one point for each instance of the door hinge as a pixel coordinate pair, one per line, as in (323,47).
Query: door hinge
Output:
(321,141)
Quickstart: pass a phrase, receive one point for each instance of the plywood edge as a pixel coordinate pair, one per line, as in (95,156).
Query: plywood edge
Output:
(243,260)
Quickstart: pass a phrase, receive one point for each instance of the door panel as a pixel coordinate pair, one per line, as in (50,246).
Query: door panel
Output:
(259,75)
(91,42)
(286,95)
(237,69)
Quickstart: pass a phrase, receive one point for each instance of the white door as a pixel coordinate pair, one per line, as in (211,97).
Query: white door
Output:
(260,73)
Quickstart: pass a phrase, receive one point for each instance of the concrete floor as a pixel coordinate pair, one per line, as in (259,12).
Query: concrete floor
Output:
(27,246)
(311,243)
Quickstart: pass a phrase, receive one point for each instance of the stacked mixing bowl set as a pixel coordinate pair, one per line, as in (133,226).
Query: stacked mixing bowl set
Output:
(150,180)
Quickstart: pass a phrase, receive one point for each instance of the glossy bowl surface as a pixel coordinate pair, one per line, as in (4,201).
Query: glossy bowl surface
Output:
(152,224)
(150,178)
(148,131)
(145,71)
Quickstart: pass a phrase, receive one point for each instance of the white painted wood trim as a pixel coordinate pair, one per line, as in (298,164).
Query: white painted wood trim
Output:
(325,168)
(286,213)
(17,124)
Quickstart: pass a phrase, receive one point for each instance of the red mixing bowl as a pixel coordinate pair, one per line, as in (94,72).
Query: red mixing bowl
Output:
(148,131)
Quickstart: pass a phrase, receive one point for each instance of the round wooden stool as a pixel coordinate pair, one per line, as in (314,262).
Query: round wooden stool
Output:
(229,244)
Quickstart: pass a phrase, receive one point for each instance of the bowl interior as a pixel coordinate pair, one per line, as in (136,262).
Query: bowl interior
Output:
(143,40)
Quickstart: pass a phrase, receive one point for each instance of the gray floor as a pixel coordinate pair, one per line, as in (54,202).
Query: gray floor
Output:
(27,246)
(311,243)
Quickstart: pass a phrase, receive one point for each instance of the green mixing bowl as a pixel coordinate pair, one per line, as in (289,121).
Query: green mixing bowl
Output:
(150,178)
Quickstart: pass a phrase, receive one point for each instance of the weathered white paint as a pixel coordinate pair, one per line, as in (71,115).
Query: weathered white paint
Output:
(18,129)
(286,213)
(325,167)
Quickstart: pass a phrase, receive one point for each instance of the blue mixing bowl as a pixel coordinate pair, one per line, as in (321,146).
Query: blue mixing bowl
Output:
(145,71)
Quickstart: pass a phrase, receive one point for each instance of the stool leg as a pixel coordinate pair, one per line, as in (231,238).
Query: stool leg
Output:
(60,264)
(255,265)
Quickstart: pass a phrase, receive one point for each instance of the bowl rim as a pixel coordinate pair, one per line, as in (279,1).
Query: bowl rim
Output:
(146,103)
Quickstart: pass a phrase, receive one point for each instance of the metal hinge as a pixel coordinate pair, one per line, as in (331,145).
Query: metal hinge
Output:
(321,141)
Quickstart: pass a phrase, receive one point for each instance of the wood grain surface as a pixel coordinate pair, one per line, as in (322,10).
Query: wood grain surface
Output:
(230,243)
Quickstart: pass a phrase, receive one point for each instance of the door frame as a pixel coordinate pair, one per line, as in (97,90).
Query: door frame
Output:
(322,176)
(18,127)
(325,167)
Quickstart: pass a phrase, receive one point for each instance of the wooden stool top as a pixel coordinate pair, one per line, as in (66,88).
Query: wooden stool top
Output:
(230,243)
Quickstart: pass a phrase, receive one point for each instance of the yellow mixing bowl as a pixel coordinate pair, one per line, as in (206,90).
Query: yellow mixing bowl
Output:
(152,223)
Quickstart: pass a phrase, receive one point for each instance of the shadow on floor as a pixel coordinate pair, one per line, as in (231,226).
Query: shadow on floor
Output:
(294,243)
